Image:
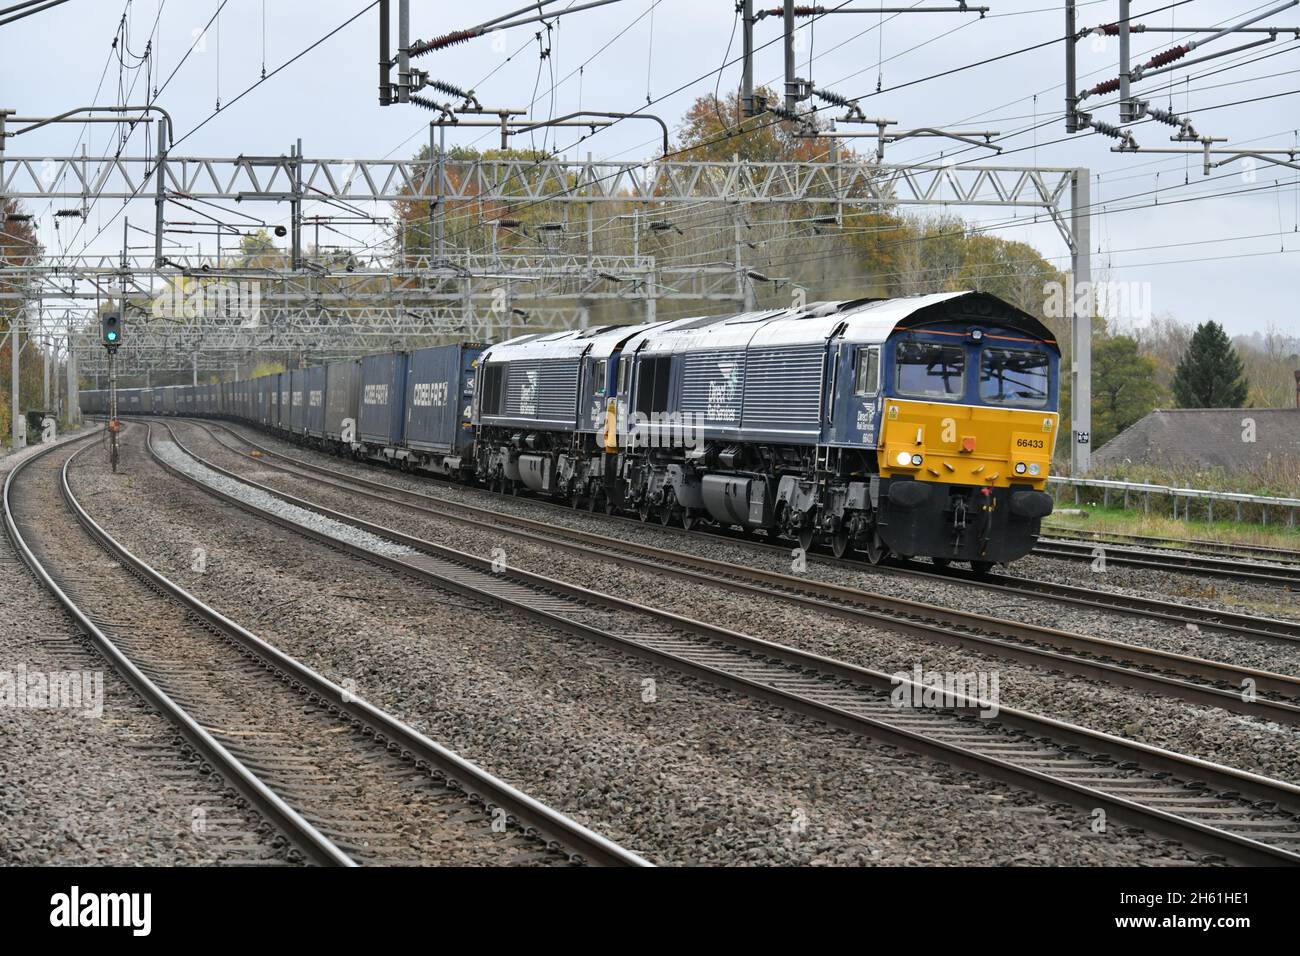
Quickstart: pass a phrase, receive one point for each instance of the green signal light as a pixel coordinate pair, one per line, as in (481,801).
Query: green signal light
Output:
(112,336)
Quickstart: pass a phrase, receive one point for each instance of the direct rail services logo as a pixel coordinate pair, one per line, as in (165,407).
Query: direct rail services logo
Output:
(75,909)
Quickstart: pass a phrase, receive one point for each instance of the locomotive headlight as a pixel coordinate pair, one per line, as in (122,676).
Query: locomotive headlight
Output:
(1035,468)
(1020,468)
(904,459)
(916,460)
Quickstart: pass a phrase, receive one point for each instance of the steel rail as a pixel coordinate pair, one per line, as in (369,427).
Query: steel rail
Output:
(981,632)
(1251,625)
(309,841)
(1285,557)
(583,844)
(1201,565)
(832,677)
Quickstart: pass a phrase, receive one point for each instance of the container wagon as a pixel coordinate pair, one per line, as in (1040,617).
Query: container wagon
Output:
(439,435)
(342,404)
(313,386)
(382,408)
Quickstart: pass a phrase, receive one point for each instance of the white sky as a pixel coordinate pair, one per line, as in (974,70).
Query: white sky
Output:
(1232,257)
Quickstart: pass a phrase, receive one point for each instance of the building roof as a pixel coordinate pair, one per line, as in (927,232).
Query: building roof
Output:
(1207,437)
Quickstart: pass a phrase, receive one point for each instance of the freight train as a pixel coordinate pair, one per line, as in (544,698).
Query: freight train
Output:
(918,427)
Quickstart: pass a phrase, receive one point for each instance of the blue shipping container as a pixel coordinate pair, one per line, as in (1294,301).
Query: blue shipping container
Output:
(383,398)
(439,391)
(297,400)
(314,400)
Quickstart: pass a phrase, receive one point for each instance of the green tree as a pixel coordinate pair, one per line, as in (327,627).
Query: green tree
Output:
(1124,386)
(1210,374)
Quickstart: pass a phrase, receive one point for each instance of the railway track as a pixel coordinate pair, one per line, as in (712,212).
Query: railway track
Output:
(1283,556)
(342,781)
(1242,816)
(1284,576)
(1275,696)
(1254,626)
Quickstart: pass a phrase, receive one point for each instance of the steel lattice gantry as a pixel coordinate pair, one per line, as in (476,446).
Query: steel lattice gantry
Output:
(511,180)
(386,301)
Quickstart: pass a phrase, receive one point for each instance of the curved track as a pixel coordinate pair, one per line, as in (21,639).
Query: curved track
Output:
(1193,679)
(1240,815)
(1250,625)
(343,781)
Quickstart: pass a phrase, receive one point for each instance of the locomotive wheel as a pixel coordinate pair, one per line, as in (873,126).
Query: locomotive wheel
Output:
(667,508)
(689,520)
(643,509)
(940,563)
(593,503)
(806,535)
(575,499)
(876,550)
(981,567)
(840,543)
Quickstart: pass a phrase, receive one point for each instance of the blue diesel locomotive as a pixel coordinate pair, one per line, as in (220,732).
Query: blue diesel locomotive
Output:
(919,426)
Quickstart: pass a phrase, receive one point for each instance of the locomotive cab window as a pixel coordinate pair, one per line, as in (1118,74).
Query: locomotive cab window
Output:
(1014,377)
(598,377)
(930,370)
(867,378)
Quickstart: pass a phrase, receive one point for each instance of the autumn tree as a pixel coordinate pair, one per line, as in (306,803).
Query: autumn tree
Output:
(714,131)
(468,221)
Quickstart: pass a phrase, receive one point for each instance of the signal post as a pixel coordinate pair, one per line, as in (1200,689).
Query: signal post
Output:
(110,335)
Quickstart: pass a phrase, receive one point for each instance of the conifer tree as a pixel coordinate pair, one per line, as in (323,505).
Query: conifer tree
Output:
(1210,374)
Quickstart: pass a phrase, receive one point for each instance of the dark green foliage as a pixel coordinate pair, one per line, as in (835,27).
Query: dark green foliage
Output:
(1210,374)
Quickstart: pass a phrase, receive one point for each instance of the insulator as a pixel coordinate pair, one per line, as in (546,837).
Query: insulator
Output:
(451,89)
(1112,29)
(798,11)
(444,41)
(1163,116)
(1174,53)
(1106,129)
(1110,86)
(429,104)
(785,114)
(832,97)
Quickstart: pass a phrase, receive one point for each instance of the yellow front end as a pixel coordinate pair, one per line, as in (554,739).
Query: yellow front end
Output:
(966,444)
